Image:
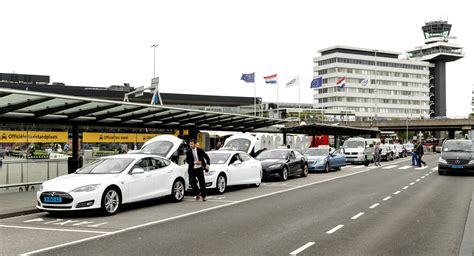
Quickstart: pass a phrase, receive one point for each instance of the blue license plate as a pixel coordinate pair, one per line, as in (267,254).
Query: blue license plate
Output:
(52,199)
(457,166)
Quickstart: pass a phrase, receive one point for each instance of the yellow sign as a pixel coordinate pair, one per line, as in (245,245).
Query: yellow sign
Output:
(32,136)
(142,137)
(176,132)
(185,132)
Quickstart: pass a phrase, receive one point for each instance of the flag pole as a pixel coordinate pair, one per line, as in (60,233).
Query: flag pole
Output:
(254,97)
(278,100)
(299,98)
(345,90)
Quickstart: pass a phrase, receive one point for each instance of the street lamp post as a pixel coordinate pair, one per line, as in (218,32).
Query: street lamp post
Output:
(154,59)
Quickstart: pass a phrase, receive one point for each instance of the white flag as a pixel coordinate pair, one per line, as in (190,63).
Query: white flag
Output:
(294,81)
(364,82)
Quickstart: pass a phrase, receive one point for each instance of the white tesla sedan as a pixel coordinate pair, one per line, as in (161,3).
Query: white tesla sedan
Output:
(112,181)
(229,168)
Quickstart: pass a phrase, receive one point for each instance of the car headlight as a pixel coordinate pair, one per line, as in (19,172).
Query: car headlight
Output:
(442,161)
(275,166)
(87,188)
(471,162)
(40,188)
(210,173)
(360,153)
(321,161)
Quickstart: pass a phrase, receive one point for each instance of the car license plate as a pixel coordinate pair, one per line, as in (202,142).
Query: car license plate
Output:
(52,199)
(457,166)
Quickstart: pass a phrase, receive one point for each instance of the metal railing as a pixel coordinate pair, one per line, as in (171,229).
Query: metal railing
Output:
(27,173)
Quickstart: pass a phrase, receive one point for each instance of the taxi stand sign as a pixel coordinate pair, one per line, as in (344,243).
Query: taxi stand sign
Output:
(98,137)
(32,136)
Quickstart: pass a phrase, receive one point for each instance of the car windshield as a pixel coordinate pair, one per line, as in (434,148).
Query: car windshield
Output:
(106,166)
(218,158)
(353,144)
(458,146)
(160,148)
(238,145)
(273,154)
(317,152)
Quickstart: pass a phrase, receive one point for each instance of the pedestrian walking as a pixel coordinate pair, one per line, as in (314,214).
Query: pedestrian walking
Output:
(377,154)
(414,155)
(420,152)
(198,161)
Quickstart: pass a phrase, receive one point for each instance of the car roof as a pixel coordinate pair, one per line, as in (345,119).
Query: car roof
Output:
(134,156)
(225,152)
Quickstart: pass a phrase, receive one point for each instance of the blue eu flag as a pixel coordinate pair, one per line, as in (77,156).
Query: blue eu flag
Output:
(317,82)
(248,78)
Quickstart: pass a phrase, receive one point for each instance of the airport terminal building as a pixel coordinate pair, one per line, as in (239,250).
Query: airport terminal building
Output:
(378,84)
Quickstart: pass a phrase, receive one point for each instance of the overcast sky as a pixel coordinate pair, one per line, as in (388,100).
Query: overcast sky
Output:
(204,46)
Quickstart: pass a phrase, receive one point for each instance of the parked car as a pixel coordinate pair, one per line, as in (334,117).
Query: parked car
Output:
(387,152)
(325,159)
(109,182)
(402,151)
(229,168)
(409,147)
(283,163)
(395,152)
(456,156)
(358,150)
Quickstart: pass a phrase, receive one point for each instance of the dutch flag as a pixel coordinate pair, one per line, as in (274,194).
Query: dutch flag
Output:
(271,79)
(341,82)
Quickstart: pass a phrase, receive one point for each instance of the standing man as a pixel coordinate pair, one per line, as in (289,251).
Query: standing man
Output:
(414,155)
(377,154)
(197,161)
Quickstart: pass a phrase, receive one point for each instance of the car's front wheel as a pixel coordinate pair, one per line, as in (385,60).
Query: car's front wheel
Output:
(305,171)
(110,201)
(284,174)
(177,191)
(221,184)
(326,168)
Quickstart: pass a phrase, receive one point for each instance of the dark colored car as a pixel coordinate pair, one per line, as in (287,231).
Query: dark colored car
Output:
(283,163)
(456,156)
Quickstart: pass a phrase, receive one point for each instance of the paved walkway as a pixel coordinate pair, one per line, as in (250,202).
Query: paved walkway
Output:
(14,203)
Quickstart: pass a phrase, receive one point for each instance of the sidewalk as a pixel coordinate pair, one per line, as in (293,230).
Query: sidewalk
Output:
(14,203)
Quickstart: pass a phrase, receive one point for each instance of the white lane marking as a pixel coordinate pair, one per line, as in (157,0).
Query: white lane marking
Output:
(428,174)
(398,192)
(57,229)
(191,213)
(405,187)
(413,183)
(422,177)
(49,222)
(386,198)
(417,180)
(389,167)
(34,220)
(405,167)
(96,225)
(358,167)
(372,167)
(357,216)
(302,248)
(83,222)
(421,168)
(65,222)
(374,205)
(434,169)
(334,229)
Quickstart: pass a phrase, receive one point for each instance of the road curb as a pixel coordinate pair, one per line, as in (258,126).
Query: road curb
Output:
(18,213)
(467,244)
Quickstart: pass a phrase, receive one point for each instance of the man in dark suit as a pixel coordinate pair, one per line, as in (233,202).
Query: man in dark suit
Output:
(197,161)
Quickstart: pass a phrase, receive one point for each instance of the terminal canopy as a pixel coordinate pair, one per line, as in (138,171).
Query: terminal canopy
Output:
(34,107)
(315,129)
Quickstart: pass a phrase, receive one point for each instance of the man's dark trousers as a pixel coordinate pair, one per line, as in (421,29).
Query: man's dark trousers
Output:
(199,174)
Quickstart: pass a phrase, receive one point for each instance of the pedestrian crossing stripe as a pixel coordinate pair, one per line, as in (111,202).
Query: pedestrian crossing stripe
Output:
(358,167)
(421,168)
(404,167)
(390,167)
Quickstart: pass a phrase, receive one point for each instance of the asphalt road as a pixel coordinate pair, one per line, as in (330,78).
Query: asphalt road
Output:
(390,210)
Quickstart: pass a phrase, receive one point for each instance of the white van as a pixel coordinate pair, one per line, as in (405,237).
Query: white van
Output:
(254,143)
(358,150)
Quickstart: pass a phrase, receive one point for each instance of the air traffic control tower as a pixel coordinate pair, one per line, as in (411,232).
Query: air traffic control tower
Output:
(437,50)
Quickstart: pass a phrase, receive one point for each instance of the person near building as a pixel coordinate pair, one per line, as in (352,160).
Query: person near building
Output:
(197,161)
(420,152)
(414,155)
(377,154)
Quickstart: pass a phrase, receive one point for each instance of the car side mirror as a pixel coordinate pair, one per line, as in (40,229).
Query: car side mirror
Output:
(138,171)
(237,162)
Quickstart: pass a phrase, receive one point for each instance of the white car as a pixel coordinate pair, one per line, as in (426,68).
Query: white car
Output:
(109,182)
(229,168)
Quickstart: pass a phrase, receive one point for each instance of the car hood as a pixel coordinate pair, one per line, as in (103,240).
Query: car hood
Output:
(268,162)
(315,158)
(457,155)
(353,150)
(69,182)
